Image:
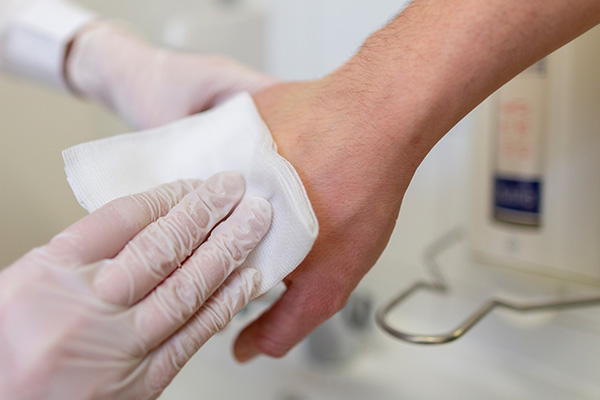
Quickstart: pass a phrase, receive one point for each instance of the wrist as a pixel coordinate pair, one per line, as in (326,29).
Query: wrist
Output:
(101,61)
(325,130)
(389,113)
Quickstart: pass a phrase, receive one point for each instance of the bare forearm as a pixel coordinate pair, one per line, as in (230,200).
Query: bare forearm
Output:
(437,60)
(357,136)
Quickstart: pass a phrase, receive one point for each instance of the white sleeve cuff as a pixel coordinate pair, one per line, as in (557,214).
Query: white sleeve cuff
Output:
(37,37)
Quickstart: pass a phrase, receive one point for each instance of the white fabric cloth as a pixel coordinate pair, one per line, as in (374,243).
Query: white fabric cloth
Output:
(34,35)
(232,136)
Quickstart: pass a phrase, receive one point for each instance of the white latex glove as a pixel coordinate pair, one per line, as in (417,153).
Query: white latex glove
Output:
(115,305)
(149,86)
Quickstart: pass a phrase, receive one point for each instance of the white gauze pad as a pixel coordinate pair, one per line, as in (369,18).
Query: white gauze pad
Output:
(232,136)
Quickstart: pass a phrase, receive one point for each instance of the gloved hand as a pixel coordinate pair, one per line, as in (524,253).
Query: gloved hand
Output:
(149,86)
(114,306)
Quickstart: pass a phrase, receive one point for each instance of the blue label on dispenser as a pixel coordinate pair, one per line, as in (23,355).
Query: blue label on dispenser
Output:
(518,201)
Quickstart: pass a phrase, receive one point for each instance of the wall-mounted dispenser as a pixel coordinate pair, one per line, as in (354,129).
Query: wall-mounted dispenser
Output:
(537,169)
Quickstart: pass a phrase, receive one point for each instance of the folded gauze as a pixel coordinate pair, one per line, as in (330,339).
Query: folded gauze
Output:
(232,136)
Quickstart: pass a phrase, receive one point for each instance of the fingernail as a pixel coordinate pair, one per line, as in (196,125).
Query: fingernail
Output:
(244,351)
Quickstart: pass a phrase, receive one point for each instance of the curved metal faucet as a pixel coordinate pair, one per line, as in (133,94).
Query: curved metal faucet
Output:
(439,285)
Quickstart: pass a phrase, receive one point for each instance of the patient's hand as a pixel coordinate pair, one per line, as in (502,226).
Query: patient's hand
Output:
(355,179)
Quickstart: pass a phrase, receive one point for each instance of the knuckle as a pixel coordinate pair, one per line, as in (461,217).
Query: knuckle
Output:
(216,202)
(152,242)
(215,317)
(233,251)
(55,252)
(176,235)
(200,216)
(196,210)
(333,303)
(149,203)
(112,283)
(181,297)
(171,235)
(136,349)
(271,346)
(158,201)
(186,295)
(322,304)
(159,377)
(229,253)
(63,241)
(207,268)
(184,230)
(190,185)
(166,196)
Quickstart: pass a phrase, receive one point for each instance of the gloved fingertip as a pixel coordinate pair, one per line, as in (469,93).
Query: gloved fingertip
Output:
(262,210)
(252,278)
(262,205)
(233,181)
(229,182)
